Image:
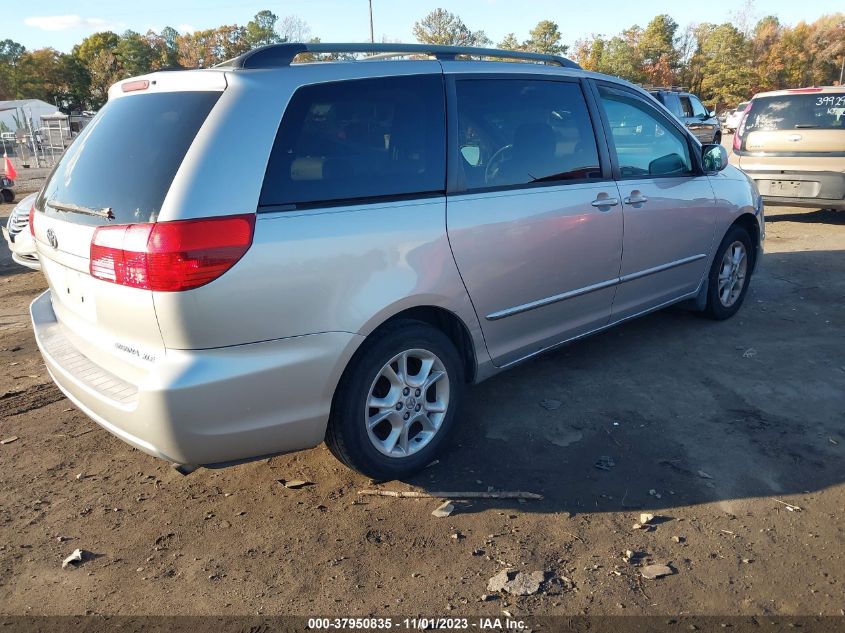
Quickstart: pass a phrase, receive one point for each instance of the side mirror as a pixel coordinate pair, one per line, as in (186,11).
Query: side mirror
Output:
(715,157)
(712,113)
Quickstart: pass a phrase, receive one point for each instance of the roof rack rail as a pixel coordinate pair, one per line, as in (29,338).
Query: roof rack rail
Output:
(279,55)
(670,88)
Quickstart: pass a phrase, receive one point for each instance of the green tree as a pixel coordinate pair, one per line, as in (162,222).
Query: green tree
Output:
(168,47)
(767,54)
(203,49)
(442,27)
(10,56)
(261,30)
(98,53)
(620,56)
(589,52)
(726,74)
(134,55)
(658,52)
(545,38)
(510,43)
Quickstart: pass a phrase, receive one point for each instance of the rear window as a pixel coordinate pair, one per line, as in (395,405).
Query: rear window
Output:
(126,158)
(359,140)
(824,111)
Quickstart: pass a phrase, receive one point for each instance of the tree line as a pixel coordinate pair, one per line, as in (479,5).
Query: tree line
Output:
(723,63)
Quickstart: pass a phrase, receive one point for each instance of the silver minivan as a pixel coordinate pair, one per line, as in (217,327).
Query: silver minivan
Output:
(265,255)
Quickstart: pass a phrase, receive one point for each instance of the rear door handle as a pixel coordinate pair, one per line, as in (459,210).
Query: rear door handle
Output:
(605,202)
(635,198)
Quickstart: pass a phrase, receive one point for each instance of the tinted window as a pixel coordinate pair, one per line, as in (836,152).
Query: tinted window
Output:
(359,139)
(646,143)
(686,106)
(514,132)
(824,111)
(126,158)
(698,108)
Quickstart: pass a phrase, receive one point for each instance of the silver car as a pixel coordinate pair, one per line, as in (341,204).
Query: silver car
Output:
(18,235)
(266,255)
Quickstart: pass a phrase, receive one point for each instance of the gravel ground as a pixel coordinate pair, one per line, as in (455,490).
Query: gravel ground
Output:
(731,433)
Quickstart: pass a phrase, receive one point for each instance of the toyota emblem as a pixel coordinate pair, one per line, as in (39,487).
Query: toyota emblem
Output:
(51,237)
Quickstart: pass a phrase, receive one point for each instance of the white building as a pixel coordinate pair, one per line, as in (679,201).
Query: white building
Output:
(33,109)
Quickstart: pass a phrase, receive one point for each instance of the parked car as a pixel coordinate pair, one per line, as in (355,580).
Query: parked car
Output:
(703,123)
(792,143)
(735,117)
(18,236)
(324,293)
(7,190)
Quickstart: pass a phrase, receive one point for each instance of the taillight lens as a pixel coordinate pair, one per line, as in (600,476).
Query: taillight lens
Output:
(740,129)
(32,220)
(170,256)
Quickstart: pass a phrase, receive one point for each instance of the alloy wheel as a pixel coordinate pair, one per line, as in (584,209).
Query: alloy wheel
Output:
(407,403)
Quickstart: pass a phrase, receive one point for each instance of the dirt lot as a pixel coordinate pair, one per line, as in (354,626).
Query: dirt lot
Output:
(714,427)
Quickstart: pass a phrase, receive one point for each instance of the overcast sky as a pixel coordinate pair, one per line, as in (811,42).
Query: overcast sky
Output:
(63,23)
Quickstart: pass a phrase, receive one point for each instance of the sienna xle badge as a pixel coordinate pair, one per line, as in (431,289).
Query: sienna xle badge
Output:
(379,235)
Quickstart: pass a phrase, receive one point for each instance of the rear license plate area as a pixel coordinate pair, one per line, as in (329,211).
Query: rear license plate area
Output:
(790,188)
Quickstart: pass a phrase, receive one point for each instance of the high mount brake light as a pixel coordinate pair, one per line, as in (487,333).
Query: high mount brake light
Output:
(170,256)
(132,86)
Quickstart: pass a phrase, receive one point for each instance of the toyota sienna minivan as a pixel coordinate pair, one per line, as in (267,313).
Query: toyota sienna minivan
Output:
(265,255)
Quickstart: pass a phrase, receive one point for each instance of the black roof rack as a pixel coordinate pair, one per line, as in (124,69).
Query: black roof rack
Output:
(276,55)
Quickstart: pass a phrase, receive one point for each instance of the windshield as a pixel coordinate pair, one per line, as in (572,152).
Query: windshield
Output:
(120,167)
(825,111)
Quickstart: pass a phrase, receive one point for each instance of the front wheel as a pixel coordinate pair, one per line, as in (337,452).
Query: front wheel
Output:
(397,401)
(729,274)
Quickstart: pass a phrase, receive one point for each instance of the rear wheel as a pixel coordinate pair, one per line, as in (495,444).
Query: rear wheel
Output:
(8,196)
(717,140)
(397,401)
(730,274)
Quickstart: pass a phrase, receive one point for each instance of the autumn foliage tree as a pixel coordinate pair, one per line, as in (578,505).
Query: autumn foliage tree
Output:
(724,63)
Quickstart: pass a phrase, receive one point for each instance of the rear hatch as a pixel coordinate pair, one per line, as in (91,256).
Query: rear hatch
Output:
(800,131)
(117,172)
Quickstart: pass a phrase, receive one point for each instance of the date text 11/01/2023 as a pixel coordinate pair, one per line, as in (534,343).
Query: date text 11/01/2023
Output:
(420,623)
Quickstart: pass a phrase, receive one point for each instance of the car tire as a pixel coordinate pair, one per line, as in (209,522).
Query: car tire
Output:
(410,432)
(717,140)
(730,274)
(8,196)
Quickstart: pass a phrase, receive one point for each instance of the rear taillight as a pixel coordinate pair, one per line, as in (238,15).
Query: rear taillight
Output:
(740,129)
(170,256)
(32,220)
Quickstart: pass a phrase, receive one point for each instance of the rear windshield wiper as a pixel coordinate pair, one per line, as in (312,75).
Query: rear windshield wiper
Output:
(105,212)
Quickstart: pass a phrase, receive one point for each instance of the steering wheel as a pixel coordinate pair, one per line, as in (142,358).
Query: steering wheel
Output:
(495,162)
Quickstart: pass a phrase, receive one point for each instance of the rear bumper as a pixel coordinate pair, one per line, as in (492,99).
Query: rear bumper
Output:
(826,188)
(206,406)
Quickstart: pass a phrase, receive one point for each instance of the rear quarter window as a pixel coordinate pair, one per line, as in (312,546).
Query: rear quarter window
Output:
(127,157)
(359,140)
